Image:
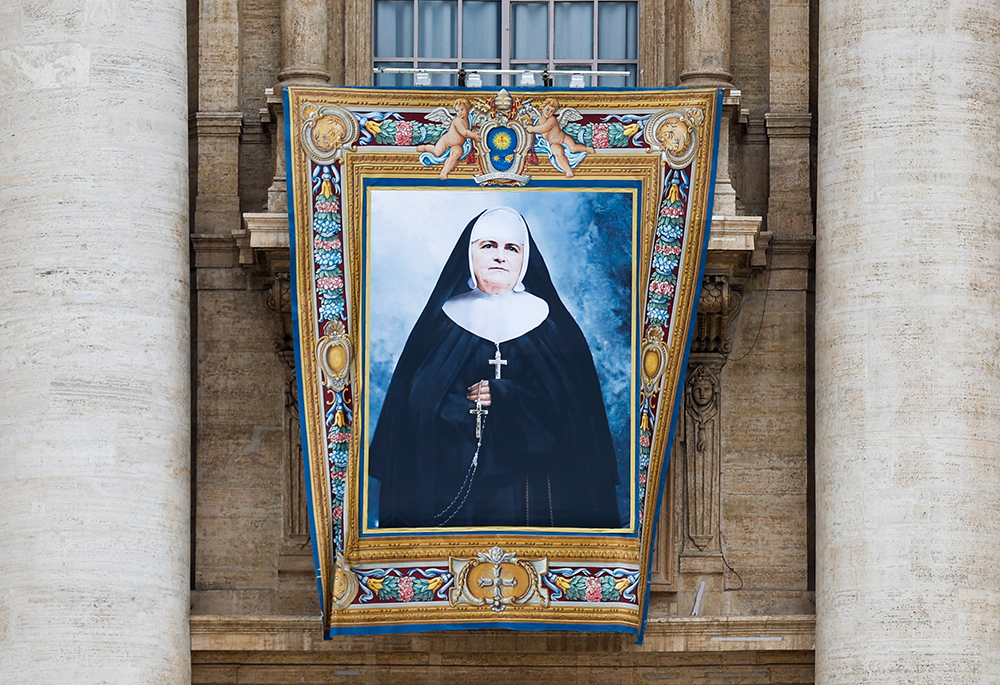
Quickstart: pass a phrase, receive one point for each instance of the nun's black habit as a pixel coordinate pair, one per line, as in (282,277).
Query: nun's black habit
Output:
(546,458)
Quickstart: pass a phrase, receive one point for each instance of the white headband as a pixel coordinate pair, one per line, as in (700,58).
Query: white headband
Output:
(504,225)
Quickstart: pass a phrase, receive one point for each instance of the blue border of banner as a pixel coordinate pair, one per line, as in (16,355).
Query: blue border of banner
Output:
(296,343)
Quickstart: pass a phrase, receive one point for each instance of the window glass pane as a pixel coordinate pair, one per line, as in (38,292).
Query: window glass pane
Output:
(617,81)
(530,26)
(393,80)
(481,29)
(574,30)
(515,79)
(439,79)
(562,80)
(616,30)
(438,30)
(488,79)
(394,28)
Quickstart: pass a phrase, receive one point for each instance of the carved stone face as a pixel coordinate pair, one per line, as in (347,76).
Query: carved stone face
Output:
(702,391)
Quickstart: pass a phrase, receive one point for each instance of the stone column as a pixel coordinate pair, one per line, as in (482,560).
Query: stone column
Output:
(706,43)
(706,63)
(907,334)
(94,343)
(305,35)
(305,30)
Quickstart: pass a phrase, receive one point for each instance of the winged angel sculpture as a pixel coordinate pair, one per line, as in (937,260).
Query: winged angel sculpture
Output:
(455,143)
(555,142)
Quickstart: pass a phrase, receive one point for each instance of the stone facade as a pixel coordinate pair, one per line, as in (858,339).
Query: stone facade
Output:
(149,454)
(742,556)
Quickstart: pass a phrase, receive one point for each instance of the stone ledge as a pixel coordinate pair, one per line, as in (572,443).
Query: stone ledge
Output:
(789,124)
(667,634)
(215,124)
(733,233)
(732,241)
(729,633)
(264,243)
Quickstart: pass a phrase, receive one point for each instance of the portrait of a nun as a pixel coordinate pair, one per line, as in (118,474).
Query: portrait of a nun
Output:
(494,414)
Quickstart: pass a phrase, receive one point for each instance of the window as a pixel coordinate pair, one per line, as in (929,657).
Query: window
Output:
(598,35)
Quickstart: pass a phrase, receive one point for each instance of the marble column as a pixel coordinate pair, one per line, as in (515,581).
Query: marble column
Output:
(305,30)
(907,340)
(305,48)
(706,64)
(94,343)
(706,43)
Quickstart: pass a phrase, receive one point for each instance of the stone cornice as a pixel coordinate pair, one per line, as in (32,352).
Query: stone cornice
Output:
(263,242)
(789,124)
(213,250)
(729,633)
(667,634)
(793,242)
(732,245)
(215,124)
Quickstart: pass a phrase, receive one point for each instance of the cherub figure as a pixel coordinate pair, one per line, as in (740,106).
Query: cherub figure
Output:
(550,126)
(454,138)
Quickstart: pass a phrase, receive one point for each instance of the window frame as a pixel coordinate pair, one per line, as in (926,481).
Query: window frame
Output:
(505,61)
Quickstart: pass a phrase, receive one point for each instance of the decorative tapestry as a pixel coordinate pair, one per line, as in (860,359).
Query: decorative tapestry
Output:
(493,292)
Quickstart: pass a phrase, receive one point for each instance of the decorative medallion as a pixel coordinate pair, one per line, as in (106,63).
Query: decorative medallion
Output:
(334,353)
(654,358)
(674,133)
(498,579)
(345,585)
(327,131)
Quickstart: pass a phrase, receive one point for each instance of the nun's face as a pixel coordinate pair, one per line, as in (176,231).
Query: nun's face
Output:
(497,264)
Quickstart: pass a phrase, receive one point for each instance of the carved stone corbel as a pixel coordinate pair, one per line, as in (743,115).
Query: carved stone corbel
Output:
(719,305)
(263,252)
(295,559)
(699,438)
(278,302)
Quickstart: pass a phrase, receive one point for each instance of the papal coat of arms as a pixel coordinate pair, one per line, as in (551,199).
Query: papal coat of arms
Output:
(504,135)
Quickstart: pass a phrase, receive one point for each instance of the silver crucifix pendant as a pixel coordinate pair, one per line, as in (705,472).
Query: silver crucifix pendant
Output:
(497,362)
(480,413)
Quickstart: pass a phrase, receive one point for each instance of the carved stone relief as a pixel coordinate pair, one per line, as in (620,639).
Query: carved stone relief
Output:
(701,438)
(720,303)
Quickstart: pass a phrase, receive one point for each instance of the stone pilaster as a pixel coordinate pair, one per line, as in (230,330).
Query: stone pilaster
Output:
(273,118)
(94,343)
(907,333)
(216,137)
(706,63)
(216,125)
(305,49)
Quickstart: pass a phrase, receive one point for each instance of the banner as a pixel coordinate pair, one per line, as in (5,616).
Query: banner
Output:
(494,293)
